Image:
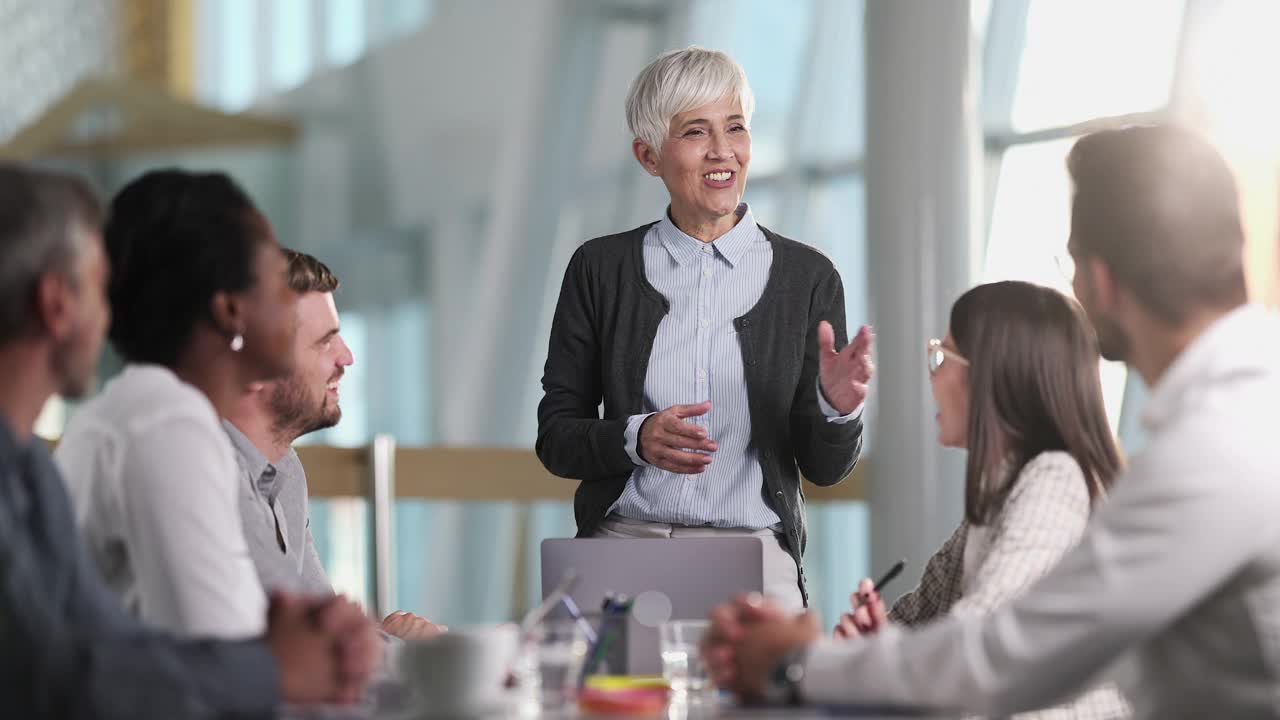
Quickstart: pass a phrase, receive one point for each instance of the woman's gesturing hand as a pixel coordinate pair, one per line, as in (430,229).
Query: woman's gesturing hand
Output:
(669,442)
(845,374)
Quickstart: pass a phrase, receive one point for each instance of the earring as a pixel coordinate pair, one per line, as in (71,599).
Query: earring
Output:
(237,343)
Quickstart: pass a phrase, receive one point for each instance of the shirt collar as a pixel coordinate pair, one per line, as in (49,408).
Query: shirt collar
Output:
(9,446)
(255,462)
(28,468)
(684,247)
(1244,341)
(290,465)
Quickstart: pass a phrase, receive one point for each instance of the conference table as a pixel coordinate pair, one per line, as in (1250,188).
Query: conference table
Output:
(721,708)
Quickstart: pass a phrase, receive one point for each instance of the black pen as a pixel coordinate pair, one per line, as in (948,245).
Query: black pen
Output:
(888,577)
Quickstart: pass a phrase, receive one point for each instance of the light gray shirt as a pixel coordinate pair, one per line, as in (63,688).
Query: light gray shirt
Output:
(277,522)
(696,357)
(1173,590)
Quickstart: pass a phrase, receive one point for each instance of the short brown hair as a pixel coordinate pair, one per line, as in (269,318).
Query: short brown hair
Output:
(1158,205)
(307,274)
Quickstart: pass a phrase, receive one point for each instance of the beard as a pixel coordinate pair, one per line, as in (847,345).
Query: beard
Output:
(1113,344)
(296,412)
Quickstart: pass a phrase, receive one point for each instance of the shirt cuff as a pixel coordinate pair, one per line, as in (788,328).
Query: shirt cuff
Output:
(631,438)
(833,415)
(826,680)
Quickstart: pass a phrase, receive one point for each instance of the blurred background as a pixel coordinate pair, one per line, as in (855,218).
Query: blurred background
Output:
(445,158)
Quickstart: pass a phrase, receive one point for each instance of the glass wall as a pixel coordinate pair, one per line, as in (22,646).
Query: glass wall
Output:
(1046,89)
(450,165)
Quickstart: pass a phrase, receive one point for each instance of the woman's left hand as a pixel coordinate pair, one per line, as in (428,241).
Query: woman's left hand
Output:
(844,375)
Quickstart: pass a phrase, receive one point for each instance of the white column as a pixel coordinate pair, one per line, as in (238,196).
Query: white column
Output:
(923,156)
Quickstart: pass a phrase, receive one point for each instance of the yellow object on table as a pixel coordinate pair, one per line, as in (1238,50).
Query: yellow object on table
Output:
(627,682)
(622,695)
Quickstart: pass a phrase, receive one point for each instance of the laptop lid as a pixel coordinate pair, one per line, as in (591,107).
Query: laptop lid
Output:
(670,579)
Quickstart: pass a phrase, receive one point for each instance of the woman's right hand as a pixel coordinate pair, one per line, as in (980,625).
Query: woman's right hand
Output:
(668,442)
(867,613)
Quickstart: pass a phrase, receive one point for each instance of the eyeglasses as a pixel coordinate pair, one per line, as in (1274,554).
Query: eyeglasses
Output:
(938,353)
(1066,266)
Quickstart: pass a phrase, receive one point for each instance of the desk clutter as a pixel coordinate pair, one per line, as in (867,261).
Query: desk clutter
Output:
(558,659)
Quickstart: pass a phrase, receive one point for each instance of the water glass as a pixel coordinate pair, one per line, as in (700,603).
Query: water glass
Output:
(558,649)
(682,665)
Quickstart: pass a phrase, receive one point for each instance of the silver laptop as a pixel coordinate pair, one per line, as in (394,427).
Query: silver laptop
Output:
(670,579)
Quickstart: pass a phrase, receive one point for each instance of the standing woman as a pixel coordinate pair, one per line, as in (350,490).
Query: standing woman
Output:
(716,346)
(1017,386)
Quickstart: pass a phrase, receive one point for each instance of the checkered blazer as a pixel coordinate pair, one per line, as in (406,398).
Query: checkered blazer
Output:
(1043,517)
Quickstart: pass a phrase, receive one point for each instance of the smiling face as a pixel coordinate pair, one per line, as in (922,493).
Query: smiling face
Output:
(703,162)
(307,399)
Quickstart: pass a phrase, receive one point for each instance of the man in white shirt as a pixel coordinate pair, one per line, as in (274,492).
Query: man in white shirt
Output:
(263,425)
(1174,591)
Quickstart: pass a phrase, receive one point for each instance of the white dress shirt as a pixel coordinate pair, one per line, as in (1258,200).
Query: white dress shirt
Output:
(153,480)
(1174,588)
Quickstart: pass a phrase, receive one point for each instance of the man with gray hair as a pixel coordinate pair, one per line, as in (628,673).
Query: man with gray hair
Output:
(67,648)
(1174,590)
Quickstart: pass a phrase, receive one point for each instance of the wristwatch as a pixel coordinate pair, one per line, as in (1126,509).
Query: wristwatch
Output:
(782,687)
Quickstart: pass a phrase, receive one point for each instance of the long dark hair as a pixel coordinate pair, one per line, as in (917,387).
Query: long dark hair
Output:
(1033,387)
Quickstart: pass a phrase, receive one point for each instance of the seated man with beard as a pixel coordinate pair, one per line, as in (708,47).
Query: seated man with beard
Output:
(266,421)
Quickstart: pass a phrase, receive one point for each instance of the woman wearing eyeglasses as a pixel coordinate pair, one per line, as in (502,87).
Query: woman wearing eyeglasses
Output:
(1016,383)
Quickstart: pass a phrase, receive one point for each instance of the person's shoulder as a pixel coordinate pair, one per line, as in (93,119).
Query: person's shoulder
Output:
(1053,477)
(143,401)
(1226,446)
(613,247)
(799,254)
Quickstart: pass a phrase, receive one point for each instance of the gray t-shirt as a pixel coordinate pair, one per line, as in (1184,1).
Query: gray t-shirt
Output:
(277,522)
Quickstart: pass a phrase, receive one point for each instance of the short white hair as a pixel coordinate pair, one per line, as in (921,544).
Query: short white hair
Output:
(679,81)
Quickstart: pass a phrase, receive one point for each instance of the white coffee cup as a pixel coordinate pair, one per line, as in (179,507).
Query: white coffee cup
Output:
(461,672)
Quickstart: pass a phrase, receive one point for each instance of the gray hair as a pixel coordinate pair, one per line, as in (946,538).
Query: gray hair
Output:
(679,81)
(40,215)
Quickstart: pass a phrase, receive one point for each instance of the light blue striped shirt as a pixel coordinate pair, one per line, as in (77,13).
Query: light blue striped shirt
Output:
(696,357)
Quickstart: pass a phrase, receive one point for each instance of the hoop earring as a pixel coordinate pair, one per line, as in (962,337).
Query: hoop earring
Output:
(237,343)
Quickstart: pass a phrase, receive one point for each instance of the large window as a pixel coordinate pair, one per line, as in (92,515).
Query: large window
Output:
(805,62)
(1087,59)
(1081,64)
(246,50)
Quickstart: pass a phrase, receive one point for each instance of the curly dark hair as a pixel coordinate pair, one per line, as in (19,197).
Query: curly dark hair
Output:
(175,239)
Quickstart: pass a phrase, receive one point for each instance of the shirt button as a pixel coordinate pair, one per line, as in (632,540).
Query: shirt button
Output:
(706,323)
(706,273)
(706,249)
(702,374)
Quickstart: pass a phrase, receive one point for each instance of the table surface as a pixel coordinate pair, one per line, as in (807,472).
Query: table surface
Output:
(711,709)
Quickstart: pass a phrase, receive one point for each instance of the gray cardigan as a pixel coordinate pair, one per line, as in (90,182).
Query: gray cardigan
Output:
(601,336)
